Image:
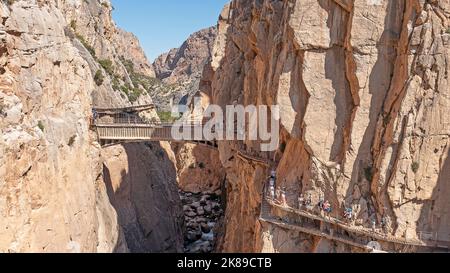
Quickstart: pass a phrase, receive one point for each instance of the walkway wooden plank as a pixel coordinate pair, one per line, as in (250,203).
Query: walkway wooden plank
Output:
(313,232)
(252,159)
(361,231)
(122,133)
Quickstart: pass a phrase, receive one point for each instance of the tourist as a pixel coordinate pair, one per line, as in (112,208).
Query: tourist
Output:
(374,225)
(277,195)
(94,116)
(301,201)
(283,197)
(348,214)
(272,192)
(308,203)
(384,223)
(272,182)
(327,207)
(272,188)
(273,176)
(320,205)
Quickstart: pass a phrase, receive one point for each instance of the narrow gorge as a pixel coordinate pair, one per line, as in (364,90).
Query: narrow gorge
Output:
(363,93)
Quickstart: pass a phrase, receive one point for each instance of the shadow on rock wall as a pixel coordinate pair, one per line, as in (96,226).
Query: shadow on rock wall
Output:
(141,185)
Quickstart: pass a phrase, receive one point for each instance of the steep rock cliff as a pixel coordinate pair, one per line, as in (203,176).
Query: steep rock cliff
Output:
(118,63)
(53,195)
(199,168)
(181,68)
(364,96)
(184,65)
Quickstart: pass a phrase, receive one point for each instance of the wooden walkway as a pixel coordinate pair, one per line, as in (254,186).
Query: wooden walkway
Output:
(335,229)
(367,232)
(250,158)
(310,226)
(124,125)
(130,133)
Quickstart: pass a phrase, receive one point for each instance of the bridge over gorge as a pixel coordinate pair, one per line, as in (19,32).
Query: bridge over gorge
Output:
(124,125)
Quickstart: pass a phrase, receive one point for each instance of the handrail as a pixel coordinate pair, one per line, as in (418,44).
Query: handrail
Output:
(251,158)
(341,224)
(144,125)
(315,233)
(126,109)
(377,234)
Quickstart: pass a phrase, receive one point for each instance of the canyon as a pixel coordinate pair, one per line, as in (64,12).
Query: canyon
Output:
(364,99)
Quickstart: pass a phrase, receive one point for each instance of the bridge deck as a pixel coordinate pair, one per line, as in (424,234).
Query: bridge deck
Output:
(147,132)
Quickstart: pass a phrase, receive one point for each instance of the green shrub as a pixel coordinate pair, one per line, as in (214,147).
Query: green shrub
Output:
(73,25)
(448,30)
(283,147)
(115,83)
(166,117)
(128,65)
(132,93)
(86,45)
(72,140)
(368,173)
(139,79)
(386,120)
(107,65)
(140,83)
(201,165)
(41,126)
(415,167)
(99,78)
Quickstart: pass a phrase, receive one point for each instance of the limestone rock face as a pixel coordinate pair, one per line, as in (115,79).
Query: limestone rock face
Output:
(51,199)
(185,64)
(111,51)
(365,101)
(199,168)
(141,179)
(53,195)
(181,68)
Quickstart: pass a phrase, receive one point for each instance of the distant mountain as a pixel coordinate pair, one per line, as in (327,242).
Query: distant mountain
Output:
(181,68)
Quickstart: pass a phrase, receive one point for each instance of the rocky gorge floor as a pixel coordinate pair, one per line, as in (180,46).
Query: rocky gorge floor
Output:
(202,212)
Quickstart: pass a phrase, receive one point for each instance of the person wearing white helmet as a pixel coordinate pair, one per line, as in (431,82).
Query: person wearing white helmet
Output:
(272,182)
(272,188)
(301,201)
(272,192)
(283,197)
(273,174)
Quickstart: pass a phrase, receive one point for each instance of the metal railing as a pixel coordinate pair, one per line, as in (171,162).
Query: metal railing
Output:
(426,239)
(126,109)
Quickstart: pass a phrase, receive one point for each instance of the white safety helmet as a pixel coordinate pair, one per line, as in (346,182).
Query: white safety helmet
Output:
(272,181)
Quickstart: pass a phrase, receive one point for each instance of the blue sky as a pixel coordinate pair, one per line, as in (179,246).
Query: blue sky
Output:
(165,24)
